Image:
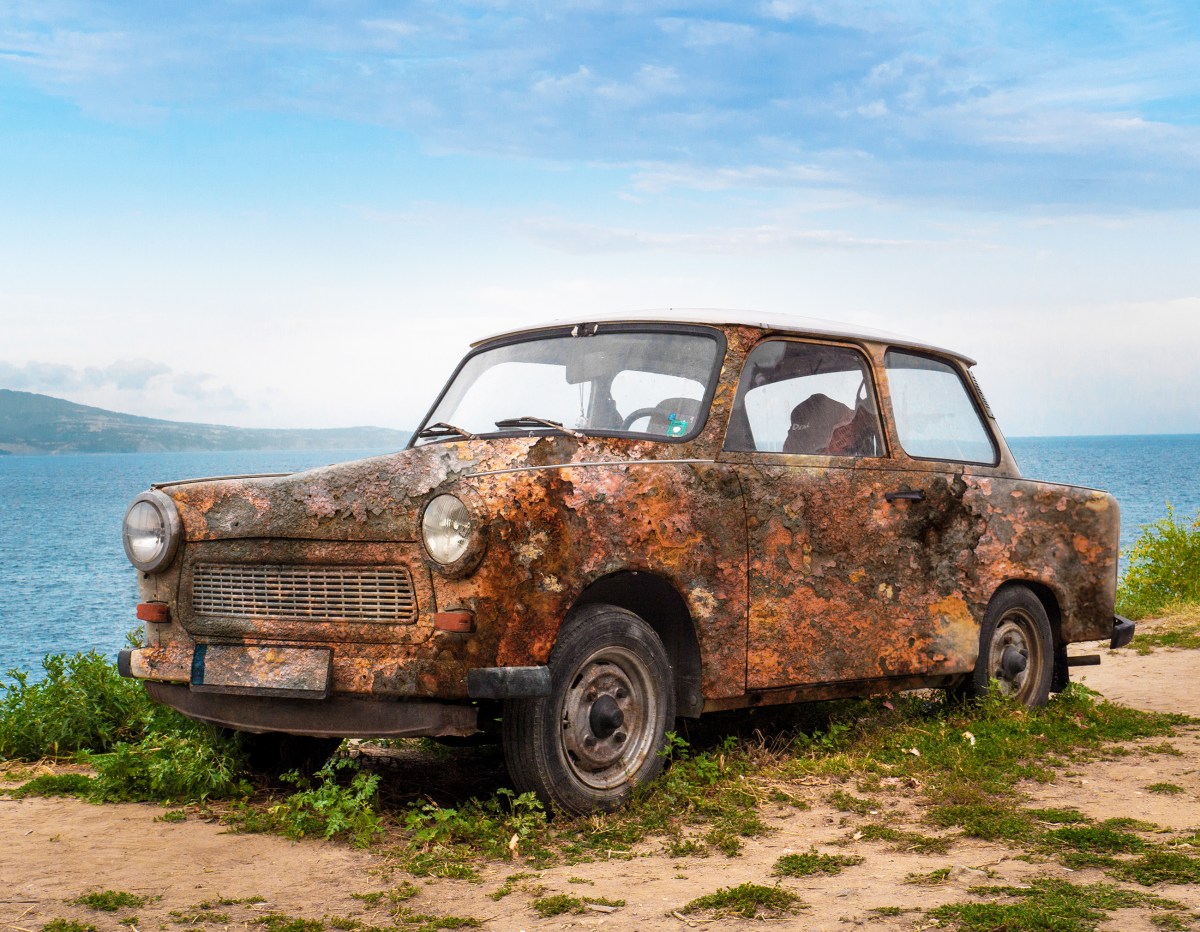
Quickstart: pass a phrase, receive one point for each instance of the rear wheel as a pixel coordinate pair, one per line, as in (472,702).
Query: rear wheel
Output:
(1016,648)
(598,734)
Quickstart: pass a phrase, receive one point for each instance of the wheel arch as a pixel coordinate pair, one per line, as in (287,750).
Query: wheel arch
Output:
(1050,602)
(653,599)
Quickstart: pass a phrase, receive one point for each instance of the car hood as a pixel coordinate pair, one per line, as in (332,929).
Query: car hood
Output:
(376,499)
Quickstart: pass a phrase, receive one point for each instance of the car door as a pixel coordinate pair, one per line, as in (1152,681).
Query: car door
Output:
(835,592)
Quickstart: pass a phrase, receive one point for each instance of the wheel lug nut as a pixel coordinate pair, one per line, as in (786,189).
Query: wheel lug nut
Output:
(619,737)
(621,694)
(591,695)
(589,742)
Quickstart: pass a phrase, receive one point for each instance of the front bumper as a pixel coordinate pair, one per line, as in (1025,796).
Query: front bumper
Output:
(336,717)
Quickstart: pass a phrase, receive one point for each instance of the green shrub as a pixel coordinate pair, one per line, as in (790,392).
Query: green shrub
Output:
(1162,567)
(81,704)
(191,765)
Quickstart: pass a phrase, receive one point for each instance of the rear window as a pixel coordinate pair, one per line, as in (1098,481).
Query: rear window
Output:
(936,417)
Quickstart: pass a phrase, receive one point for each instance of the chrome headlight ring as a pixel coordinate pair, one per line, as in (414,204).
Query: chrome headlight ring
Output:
(452,536)
(151,531)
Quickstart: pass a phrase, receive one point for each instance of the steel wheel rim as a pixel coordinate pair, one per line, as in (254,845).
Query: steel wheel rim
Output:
(1014,661)
(607,718)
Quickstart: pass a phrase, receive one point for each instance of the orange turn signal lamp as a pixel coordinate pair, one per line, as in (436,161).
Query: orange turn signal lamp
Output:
(459,622)
(157,612)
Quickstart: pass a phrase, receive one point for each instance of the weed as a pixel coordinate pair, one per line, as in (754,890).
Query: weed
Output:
(801,865)
(987,821)
(279,922)
(452,863)
(1166,789)
(110,901)
(55,784)
(67,925)
(1162,567)
(1159,866)
(934,878)
(519,881)
(906,841)
(846,802)
(174,815)
(1059,816)
(889,911)
(1174,922)
(1097,839)
(325,810)
(498,827)
(197,917)
(561,903)
(1164,748)
(748,900)
(1046,904)
(581,880)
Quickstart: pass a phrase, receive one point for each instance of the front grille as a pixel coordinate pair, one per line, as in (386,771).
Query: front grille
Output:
(354,593)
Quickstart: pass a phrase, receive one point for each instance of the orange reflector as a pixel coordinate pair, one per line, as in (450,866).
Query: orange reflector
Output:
(158,612)
(458,622)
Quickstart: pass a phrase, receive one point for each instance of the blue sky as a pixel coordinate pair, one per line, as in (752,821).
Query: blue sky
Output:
(298,214)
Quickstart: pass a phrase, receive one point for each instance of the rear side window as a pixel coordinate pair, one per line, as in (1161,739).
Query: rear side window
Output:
(936,417)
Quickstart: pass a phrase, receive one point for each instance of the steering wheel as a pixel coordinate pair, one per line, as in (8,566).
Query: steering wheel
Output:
(636,414)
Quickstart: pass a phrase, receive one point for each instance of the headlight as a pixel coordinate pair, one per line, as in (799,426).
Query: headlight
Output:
(152,531)
(446,529)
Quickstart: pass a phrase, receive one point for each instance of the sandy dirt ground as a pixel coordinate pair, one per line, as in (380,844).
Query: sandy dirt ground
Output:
(52,851)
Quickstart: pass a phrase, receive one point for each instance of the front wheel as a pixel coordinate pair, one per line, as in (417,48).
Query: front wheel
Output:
(1016,648)
(599,733)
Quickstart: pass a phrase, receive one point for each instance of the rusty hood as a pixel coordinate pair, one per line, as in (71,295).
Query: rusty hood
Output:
(376,499)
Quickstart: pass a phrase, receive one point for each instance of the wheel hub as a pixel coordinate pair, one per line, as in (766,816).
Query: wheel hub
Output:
(1013,663)
(605,717)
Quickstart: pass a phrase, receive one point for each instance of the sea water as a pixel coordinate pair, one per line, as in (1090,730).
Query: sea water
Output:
(66,586)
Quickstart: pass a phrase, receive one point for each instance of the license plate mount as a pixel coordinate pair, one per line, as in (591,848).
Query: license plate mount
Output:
(281,672)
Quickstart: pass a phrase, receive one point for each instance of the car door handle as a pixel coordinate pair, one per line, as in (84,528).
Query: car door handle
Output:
(905,495)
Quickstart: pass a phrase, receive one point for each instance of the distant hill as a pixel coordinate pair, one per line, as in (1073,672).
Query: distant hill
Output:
(31,423)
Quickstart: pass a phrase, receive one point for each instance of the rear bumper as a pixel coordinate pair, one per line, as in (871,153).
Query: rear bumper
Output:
(1122,632)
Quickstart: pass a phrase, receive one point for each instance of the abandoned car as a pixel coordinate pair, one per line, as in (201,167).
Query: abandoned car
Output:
(603,525)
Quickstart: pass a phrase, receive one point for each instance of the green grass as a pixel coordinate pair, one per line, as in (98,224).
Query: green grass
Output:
(1165,789)
(67,925)
(55,784)
(802,865)
(1160,866)
(110,901)
(563,903)
(747,900)
(1046,905)
(934,878)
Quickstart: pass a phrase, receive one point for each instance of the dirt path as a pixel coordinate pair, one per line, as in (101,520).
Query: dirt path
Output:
(51,851)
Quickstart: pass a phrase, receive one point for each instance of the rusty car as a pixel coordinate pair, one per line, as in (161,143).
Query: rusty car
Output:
(603,525)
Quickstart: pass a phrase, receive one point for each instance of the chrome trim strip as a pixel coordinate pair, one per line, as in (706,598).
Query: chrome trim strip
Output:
(502,472)
(252,475)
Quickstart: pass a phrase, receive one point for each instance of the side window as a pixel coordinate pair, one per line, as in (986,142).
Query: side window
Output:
(805,398)
(935,416)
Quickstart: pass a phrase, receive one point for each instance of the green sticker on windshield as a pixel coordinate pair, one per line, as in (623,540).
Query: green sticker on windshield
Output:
(677,426)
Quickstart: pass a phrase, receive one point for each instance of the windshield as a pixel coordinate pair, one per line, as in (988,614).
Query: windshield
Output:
(646,382)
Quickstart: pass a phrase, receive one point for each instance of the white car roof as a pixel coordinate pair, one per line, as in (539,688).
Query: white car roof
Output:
(780,322)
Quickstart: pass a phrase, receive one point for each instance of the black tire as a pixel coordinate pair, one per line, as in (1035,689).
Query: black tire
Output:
(599,733)
(1016,648)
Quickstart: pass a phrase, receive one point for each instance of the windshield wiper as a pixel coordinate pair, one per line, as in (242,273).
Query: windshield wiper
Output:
(528,420)
(442,429)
